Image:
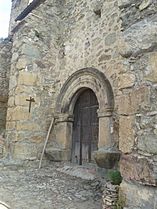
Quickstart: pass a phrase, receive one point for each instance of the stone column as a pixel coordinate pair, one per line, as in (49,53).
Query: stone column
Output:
(105,128)
(64,123)
(107,154)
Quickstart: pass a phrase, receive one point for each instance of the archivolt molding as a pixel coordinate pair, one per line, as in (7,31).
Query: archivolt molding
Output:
(79,81)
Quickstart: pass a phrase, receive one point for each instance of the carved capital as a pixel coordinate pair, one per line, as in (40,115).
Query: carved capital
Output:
(64,117)
(107,112)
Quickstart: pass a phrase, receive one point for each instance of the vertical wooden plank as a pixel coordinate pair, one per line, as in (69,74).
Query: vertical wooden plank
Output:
(85,131)
(81,138)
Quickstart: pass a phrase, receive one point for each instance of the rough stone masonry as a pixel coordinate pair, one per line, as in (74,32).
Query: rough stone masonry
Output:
(58,48)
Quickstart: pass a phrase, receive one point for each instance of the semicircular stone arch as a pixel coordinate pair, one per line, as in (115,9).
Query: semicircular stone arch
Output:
(85,78)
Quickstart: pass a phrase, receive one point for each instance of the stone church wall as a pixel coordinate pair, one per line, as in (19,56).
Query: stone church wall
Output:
(33,73)
(91,38)
(118,38)
(5,56)
(77,35)
(138,105)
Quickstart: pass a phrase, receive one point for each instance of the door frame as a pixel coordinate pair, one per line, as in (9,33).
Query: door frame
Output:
(96,81)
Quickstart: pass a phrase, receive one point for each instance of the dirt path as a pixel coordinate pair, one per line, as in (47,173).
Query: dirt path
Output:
(47,188)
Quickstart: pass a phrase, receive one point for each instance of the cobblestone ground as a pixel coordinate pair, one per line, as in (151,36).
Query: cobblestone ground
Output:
(47,188)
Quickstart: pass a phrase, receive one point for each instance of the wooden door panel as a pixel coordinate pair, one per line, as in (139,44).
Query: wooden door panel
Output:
(85,128)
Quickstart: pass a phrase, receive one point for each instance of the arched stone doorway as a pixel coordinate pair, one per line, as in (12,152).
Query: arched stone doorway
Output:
(88,78)
(85,127)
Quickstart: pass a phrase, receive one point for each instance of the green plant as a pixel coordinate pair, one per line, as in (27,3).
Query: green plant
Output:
(115,177)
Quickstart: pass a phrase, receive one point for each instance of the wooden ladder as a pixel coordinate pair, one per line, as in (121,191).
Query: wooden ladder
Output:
(46,140)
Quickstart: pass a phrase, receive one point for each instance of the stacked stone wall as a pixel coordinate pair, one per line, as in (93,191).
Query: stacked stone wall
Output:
(110,196)
(5,57)
(90,39)
(34,71)
(51,43)
(115,37)
(137,105)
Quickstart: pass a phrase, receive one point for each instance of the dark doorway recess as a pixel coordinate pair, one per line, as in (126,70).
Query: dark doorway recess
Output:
(85,127)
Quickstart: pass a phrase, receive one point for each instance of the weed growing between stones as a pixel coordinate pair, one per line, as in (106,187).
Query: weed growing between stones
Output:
(115,177)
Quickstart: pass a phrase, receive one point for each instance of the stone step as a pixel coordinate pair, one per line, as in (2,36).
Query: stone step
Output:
(55,154)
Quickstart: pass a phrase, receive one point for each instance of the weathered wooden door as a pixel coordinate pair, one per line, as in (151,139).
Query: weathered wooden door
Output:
(85,127)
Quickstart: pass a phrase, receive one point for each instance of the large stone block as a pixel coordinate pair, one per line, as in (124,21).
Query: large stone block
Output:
(27,126)
(57,155)
(148,143)
(152,66)
(141,36)
(126,80)
(104,131)
(131,103)
(12,82)
(37,138)
(3,111)
(110,39)
(126,133)
(31,51)
(24,89)
(18,113)
(11,101)
(25,151)
(63,134)
(21,63)
(138,196)
(10,125)
(2,105)
(123,3)
(134,168)
(144,4)
(3,98)
(20,100)
(27,78)
(29,136)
